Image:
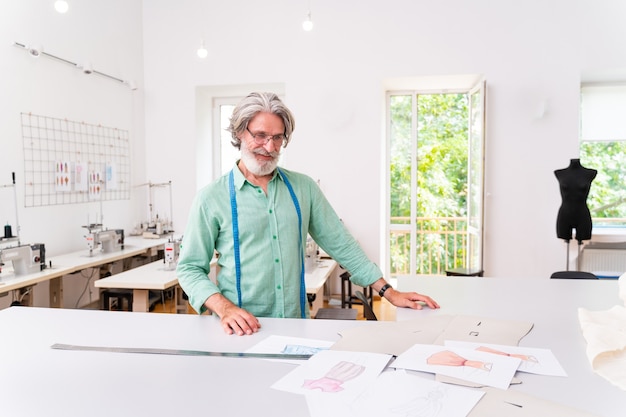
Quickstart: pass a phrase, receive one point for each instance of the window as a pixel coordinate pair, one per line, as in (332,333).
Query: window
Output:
(225,154)
(435,180)
(603,147)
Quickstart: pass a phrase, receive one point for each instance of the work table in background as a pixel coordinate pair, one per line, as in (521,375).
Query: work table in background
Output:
(155,276)
(151,276)
(66,264)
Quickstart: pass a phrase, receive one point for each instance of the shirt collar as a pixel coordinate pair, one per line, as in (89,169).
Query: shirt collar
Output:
(240,180)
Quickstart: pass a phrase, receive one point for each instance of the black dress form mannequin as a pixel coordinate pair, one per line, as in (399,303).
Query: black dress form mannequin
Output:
(574,183)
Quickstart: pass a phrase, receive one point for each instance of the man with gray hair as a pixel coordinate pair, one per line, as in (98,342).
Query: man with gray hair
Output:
(257,218)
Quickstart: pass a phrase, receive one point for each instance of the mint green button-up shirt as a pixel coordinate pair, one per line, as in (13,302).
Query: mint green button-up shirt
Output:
(269,247)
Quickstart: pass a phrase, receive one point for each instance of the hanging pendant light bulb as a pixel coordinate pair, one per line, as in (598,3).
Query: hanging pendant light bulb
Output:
(202,52)
(308,23)
(61,6)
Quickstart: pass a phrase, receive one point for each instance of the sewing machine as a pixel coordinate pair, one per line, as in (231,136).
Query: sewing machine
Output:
(111,240)
(157,225)
(108,240)
(26,259)
(172,251)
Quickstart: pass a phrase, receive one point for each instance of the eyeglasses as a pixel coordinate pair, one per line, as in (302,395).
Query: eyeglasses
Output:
(262,138)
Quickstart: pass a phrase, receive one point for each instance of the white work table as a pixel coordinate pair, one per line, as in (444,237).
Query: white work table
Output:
(315,278)
(133,246)
(75,261)
(552,305)
(47,382)
(43,381)
(152,276)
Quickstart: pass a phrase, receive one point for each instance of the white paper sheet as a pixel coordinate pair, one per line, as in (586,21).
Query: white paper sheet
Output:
(533,360)
(335,373)
(110,176)
(80,177)
(62,176)
(399,394)
(290,345)
(466,364)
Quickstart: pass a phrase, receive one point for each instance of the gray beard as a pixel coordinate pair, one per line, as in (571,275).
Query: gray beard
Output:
(254,166)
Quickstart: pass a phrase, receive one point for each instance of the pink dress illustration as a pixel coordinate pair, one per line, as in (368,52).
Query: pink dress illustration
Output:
(448,358)
(336,376)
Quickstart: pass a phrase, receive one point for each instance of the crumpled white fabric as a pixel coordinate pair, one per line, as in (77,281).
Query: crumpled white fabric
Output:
(605,333)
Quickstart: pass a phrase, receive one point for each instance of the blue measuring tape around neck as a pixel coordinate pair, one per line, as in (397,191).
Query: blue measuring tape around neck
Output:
(235,222)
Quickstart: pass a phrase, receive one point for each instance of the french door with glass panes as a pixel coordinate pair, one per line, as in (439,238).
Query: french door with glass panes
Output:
(436,165)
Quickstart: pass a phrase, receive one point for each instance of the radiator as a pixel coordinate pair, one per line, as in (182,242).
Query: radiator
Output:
(606,260)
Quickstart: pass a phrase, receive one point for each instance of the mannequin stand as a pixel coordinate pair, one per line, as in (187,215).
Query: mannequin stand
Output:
(580,243)
(567,255)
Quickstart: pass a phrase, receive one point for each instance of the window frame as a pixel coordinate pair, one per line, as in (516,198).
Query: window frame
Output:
(480,86)
(600,103)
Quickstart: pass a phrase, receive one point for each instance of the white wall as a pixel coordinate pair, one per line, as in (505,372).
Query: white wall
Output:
(531,53)
(109,35)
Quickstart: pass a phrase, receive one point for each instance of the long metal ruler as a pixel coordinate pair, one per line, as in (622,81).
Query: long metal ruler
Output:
(180,352)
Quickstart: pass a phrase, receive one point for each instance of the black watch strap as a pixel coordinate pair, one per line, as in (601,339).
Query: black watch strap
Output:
(383,289)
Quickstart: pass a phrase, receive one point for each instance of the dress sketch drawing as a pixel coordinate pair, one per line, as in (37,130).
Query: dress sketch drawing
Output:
(331,382)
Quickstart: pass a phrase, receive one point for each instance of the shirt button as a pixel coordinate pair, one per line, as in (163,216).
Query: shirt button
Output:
(276,260)
(273,237)
(258,191)
(270,211)
(278,287)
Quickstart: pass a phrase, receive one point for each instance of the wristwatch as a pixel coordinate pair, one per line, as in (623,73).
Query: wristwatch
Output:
(383,289)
